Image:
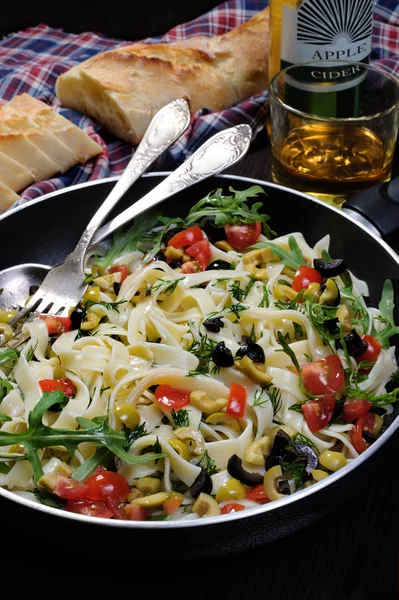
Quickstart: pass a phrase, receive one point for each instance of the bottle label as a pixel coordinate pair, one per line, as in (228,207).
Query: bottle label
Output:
(330,30)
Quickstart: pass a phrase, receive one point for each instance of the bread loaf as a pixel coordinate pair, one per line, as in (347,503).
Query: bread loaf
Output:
(35,144)
(123,88)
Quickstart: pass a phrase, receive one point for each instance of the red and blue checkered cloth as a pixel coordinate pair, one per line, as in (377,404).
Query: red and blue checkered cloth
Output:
(31,60)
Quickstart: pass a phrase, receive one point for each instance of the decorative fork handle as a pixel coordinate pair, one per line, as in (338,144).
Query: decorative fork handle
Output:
(216,154)
(165,128)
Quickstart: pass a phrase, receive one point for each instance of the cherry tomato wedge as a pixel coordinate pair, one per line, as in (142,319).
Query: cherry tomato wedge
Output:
(242,236)
(64,385)
(232,507)
(171,504)
(122,269)
(188,237)
(201,251)
(237,400)
(57,324)
(318,412)
(171,397)
(304,276)
(91,508)
(106,485)
(258,494)
(69,489)
(353,409)
(324,376)
(191,266)
(364,423)
(373,350)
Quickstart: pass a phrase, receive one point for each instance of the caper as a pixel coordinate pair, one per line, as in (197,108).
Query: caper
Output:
(251,349)
(213,325)
(222,356)
(218,264)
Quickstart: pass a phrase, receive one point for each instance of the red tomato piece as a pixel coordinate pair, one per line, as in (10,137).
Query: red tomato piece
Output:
(364,423)
(106,485)
(133,512)
(191,266)
(170,397)
(237,400)
(318,412)
(64,385)
(242,236)
(323,376)
(258,494)
(201,251)
(353,409)
(373,350)
(304,277)
(122,269)
(232,507)
(68,488)
(90,508)
(188,237)
(57,324)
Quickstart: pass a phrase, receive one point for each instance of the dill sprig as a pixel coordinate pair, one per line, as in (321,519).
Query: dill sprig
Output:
(170,285)
(179,418)
(208,463)
(107,305)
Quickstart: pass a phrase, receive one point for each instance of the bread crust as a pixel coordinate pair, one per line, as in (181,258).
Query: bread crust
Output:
(123,88)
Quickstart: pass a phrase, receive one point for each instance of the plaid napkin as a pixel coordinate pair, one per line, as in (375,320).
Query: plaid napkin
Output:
(31,60)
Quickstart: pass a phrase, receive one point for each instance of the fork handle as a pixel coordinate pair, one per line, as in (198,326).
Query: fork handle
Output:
(216,154)
(166,127)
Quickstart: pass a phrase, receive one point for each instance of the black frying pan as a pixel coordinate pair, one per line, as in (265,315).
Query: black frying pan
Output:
(45,230)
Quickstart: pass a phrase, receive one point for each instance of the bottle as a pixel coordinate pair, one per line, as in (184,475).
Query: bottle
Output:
(306,30)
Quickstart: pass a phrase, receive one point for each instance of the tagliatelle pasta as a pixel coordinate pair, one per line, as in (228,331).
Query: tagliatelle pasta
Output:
(198,377)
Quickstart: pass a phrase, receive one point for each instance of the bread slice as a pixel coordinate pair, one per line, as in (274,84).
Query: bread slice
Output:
(123,88)
(19,123)
(7,197)
(82,146)
(13,174)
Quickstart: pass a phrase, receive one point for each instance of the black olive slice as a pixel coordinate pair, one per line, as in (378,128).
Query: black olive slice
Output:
(175,264)
(160,256)
(329,269)
(77,317)
(222,356)
(251,349)
(306,452)
(354,344)
(283,487)
(203,483)
(117,287)
(278,452)
(236,470)
(218,264)
(214,325)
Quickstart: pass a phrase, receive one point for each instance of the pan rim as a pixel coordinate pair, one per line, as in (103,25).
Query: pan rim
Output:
(249,512)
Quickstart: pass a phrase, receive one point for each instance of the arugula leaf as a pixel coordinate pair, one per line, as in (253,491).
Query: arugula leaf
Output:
(290,258)
(128,241)
(39,436)
(8,358)
(362,315)
(4,418)
(386,307)
(377,400)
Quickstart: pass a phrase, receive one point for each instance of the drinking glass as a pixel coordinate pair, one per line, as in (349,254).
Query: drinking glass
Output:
(334,126)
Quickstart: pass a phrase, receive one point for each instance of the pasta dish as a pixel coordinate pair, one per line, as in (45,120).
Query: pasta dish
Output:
(212,365)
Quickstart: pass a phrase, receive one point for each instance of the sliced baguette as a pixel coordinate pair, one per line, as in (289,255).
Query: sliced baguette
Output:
(7,197)
(123,88)
(44,117)
(13,174)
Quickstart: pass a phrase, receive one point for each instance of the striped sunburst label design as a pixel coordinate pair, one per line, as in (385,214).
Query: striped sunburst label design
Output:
(327,30)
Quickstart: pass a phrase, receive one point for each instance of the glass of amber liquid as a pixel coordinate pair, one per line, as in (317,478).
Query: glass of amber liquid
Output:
(334,126)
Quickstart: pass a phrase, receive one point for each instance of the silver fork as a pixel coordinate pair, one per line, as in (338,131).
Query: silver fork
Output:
(216,154)
(64,285)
